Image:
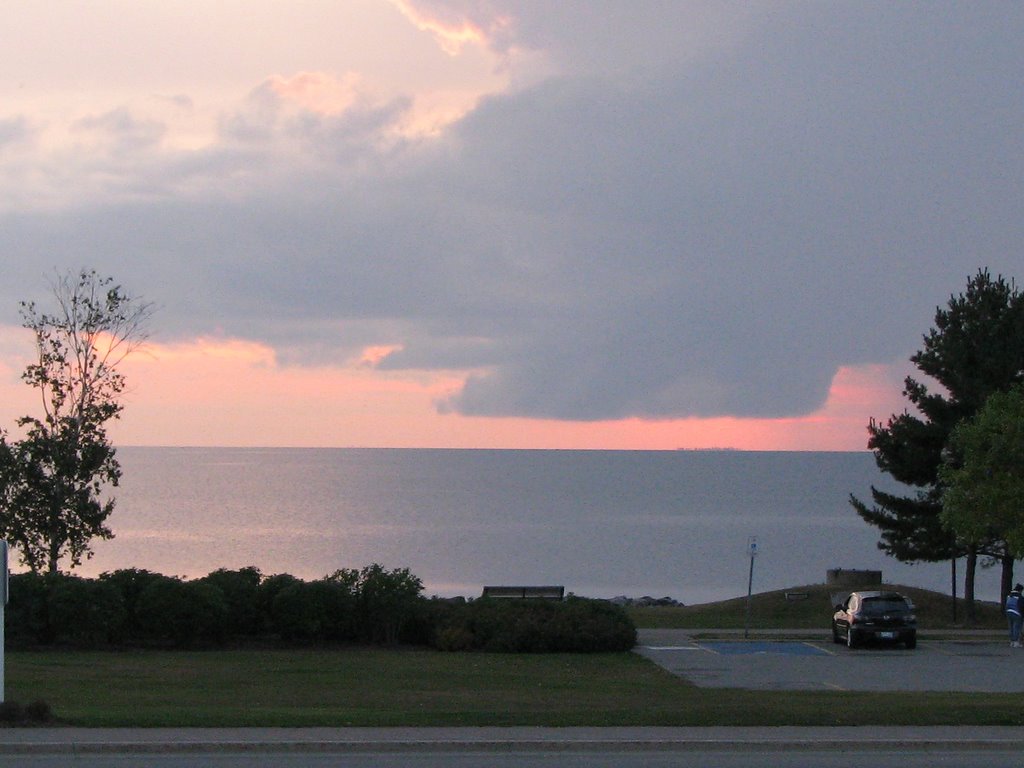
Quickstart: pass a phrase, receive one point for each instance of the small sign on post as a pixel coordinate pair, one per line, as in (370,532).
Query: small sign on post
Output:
(751,553)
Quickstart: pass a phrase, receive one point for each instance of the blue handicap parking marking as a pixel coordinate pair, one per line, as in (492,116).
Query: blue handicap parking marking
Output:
(777,647)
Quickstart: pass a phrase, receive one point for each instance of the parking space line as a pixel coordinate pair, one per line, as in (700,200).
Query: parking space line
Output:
(983,664)
(764,647)
(823,648)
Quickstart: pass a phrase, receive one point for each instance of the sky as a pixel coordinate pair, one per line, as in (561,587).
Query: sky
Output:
(608,224)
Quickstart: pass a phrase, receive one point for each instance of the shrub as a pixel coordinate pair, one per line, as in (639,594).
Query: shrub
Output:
(534,626)
(84,612)
(267,592)
(38,712)
(373,604)
(454,638)
(184,613)
(241,593)
(11,712)
(314,612)
(387,601)
(55,608)
(130,584)
(26,618)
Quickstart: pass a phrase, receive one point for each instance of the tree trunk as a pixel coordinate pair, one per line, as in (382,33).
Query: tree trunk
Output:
(1006,580)
(969,572)
(54,539)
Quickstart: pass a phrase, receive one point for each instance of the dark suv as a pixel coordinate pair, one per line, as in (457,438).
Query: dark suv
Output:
(864,616)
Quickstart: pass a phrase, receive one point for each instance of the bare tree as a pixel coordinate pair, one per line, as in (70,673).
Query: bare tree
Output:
(54,478)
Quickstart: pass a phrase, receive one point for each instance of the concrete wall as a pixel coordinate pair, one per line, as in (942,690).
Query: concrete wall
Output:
(853,578)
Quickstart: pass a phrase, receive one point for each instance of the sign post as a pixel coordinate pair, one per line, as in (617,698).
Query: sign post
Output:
(4,583)
(752,552)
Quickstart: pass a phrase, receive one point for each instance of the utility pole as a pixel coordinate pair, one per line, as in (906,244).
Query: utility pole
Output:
(953,576)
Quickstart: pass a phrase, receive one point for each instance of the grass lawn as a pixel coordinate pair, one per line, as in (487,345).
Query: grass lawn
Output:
(375,687)
(371,687)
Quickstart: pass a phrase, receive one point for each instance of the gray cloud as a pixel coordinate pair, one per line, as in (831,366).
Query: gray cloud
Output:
(604,36)
(710,231)
(13,130)
(121,131)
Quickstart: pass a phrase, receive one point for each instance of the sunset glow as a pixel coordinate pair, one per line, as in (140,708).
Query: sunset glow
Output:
(230,392)
(450,35)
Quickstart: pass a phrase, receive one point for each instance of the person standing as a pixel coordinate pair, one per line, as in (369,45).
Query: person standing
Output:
(1015,614)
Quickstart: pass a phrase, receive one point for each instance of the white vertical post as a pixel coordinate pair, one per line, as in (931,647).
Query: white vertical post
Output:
(4,576)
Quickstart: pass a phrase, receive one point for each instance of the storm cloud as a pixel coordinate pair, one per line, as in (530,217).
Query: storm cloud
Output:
(678,210)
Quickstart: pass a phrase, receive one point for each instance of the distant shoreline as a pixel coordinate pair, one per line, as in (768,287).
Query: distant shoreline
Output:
(255,448)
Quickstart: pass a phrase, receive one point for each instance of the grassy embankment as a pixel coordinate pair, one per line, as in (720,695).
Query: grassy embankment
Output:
(364,687)
(808,607)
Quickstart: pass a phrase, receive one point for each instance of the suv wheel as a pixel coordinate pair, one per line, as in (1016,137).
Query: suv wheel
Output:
(851,638)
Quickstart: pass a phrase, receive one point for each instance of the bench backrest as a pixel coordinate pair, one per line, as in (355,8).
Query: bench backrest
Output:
(525,593)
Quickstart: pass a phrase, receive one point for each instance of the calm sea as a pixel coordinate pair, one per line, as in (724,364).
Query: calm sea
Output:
(601,523)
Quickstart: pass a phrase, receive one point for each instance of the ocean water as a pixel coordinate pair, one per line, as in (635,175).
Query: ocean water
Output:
(601,523)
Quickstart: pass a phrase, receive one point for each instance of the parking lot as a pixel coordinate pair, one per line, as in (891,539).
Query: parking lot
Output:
(812,662)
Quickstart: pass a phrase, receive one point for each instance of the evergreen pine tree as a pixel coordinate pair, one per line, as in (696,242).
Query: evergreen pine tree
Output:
(975,349)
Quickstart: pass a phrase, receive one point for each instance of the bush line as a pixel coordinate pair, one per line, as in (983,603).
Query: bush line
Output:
(226,608)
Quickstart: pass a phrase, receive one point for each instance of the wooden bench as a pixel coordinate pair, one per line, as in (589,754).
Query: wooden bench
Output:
(524,593)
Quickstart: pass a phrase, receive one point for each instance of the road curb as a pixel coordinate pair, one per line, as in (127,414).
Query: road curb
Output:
(256,740)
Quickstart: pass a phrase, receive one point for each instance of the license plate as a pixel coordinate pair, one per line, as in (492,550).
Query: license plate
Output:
(887,635)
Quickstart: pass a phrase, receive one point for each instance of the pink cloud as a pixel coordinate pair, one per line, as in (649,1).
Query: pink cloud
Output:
(450,28)
(233,392)
(318,92)
(221,391)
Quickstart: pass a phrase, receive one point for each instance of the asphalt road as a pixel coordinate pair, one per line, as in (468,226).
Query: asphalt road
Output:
(652,747)
(974,664)
(826,758)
